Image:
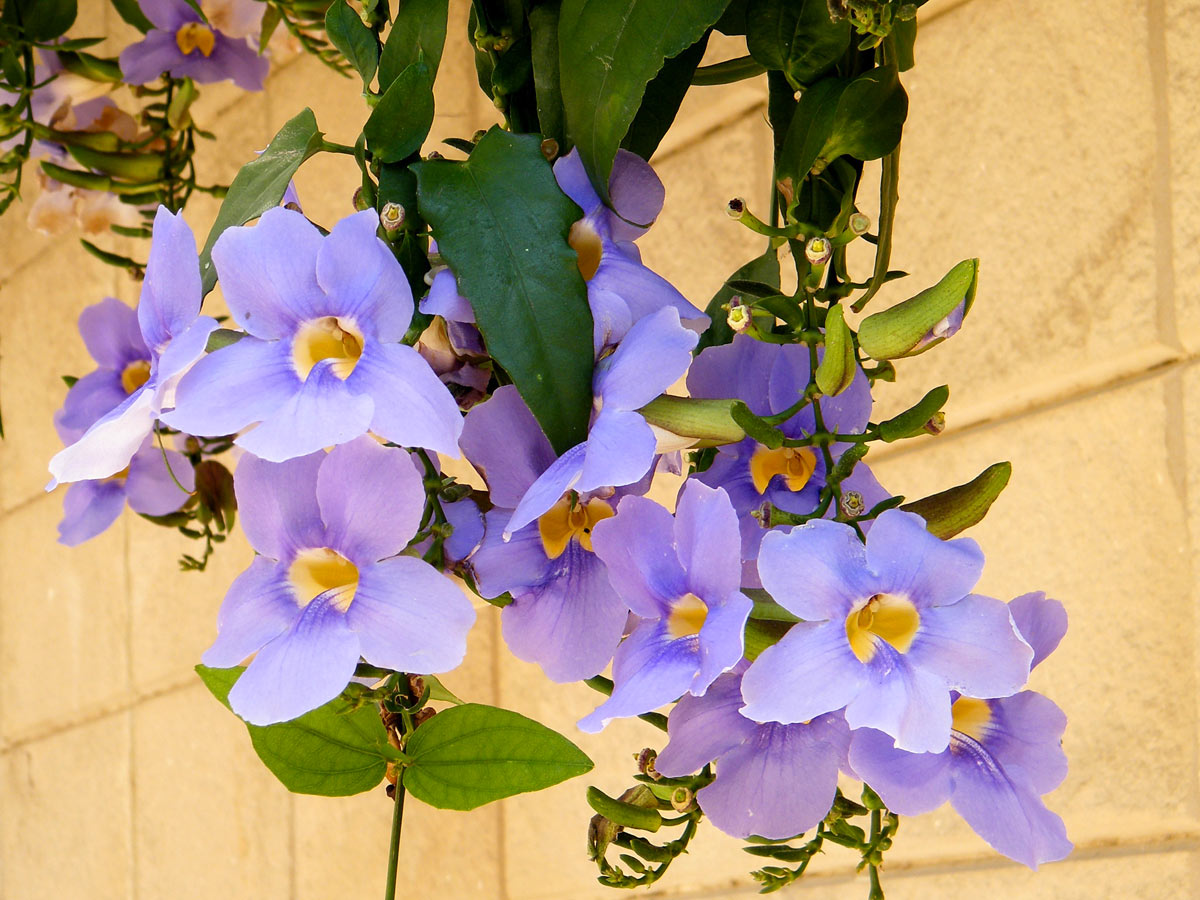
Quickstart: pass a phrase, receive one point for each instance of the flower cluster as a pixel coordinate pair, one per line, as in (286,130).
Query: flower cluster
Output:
(883,666)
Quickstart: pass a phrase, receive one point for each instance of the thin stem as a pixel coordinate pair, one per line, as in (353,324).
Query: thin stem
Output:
(394,851)
(873,870)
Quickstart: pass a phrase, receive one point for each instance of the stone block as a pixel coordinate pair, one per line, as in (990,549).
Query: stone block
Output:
(64,623)
(210,820)
(67,816)
(40,305)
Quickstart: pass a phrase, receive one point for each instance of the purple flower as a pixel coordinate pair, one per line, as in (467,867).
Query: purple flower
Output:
(621,445)
(889,630)
(183,45)
(156,482)
(620,289)
(772,780)
(170,330)
(770,378)
(328,585)
(680,575)
(1003,756)
(322,361)
(565,615)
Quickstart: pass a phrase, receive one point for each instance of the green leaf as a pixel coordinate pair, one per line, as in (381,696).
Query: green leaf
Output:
(95,68)
(401,120)
(418,32)
(270,21)
(912,421)
(906,328)
(608,52)
(353,38)
(223,337)
(810,129)
(904,33)
(661,102)
(838,366)
(259,185)
(760,634)
(132,13)
(870,117)
(953,511)
(501,223)
(470,755)
(543,32)
(799,39)
(628,815)
(331,751)
(40,20)
(763,269)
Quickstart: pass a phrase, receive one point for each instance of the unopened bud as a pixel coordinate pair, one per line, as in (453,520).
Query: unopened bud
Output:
(818,250)
(683,800)
(853,504)
(739,315)
(391,217)
(735,207)
(936,424)
(645,763)
(433,154)
(549,149)
(358,200)
(859,223)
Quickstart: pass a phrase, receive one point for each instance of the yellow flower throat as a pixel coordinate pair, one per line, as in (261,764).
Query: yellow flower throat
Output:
(195,36)
(795,464)
(568,520)
(884,617)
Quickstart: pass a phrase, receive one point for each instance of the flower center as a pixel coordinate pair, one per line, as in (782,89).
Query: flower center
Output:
(586,243)
(315,571)
(971,717)
(795,464)
(569,519)
(195,36)
(883,617)
(134,375)
(687,616)
(327,338)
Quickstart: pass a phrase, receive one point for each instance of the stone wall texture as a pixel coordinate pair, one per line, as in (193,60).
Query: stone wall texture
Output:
(1055,141)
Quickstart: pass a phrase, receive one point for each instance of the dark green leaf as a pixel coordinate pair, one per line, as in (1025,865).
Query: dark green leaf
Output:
(870,117)
(912,421)
(418,32)
(470,755)
(660,104)
(953,511)
(609,50)
(759,635)
(353,38)
(332,751)
(259,185)
(762,269)
(132,13)
(543,30)
(223,337)
(799,39)
(40,20)
(501,223)
(905,35)
(69,380)
(810,128)
(733,20)
(729,71)
(513,68)
(401,120)
(270,21)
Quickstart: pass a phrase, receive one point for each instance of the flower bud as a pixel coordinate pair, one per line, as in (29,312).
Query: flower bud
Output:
(853,504)
(391,217)
(549,149)
(739,315)
(683,800)
(818,250)
(357,200)
(645,763)
(936,424)
(859,223)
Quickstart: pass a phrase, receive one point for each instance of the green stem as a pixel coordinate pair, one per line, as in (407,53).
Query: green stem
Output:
(394,850)
(873,870)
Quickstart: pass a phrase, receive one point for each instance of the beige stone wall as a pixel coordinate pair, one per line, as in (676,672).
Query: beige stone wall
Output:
(1055,141)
